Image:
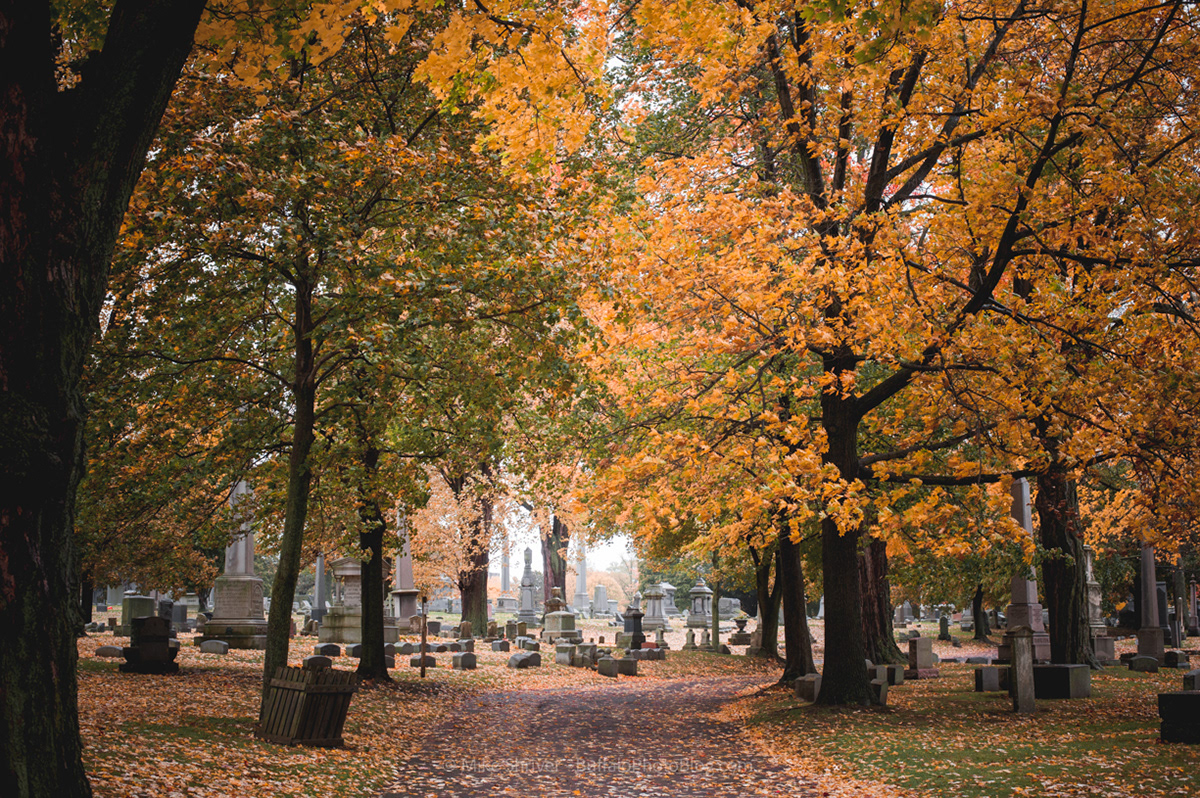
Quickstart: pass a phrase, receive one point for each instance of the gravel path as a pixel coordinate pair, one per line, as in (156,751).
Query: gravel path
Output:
(623,740)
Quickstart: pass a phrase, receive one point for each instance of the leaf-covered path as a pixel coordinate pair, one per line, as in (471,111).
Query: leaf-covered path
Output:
(623,740)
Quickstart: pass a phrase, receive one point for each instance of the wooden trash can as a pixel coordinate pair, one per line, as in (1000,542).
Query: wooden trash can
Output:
(306,707)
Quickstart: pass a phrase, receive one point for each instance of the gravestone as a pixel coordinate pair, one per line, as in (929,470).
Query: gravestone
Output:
(920,659)
(500,645)
(627,666)
(987,679)
(527,612)
(690,644)
(463,661)
(669,607)
(944,629)
(600,607)
(741,637)
(423,660)
(404,597)
(214,647)
(607,666)
(525,659)
(464,630)
(560,624)
(1179,715)
(1021,685)
(729,608)
(344,620)
(237,616)
(656,616)
(700,612)
(112,652)
(328,650)
(1143,664)
(808,687)
(633,622)
(510,630)
(134,606)
(150,649)
(1191,679)
(1150,636)
(316,663)
(1062,681)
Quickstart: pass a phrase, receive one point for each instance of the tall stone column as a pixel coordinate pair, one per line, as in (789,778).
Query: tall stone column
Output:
(1150,636)
(1024,611)
(238,604)
(319,610)
(404,597)
(528,613)
(581,591)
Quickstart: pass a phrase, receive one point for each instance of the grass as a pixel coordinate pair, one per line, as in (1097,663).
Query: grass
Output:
(938,737)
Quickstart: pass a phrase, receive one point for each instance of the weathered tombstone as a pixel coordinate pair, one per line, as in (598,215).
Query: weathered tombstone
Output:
(705,641)
(607,666)
(464,630)
(500,645)
(879,690)
(150,649)
(1062,681)
(1191,679)
(491,631)
(944,629)
(656,616)
(1176,659)
(700,613)
(423,661)
(316,662)
(690,644)
(1179,715)
(633,622)
(115,652)
(808,687)
(522,628)
(354,651)
(328,650)
(563,653)
(1143,664)
(920,659)
(525,659)
(528,613)
(1021,685)
(214,647)
(463,661)
(987,679)
(134,606)
(1150,636)
(237,616)
(627,666)
(405,649)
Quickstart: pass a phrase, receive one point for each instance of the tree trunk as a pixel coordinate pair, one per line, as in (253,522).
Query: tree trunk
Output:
(769,597)
(371,665)
(879,636)
(979,615)
(68,163)
(283,589)
(1063,570)
(554,564)
(472,582)
(797,640)
(87,588)
(844,680)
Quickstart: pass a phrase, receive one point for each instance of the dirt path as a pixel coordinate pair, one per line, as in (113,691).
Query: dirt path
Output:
(624,740)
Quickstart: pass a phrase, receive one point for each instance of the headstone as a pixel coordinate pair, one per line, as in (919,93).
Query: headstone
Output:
(564,653)
(500,645)
(150,648)
(879,690)
(729,608)
(581,591)
(1150,636)
(237,616)
(464,630)
(527,612)
(899,620)
(525,659)
(1024,611)
(510,630)
(522,628)
(328,650)
(134,606)
(414,624)
(423,661)
(405,596)
(944,629)
(112,652)
(344,621)
(354,651)
(1191,679)
(669,607)
(690,645)
(1062,681)
(808,687)
(600,607)
(920,659)
(404,649)
(633,623)
(656,616)
(1021,685)
(1143,664)
(529,644)
(987,679)
(627,666)
(316,662)
(607,666)
(1179,715)
(467,645)
(214,647)
(700,613)
(463,661)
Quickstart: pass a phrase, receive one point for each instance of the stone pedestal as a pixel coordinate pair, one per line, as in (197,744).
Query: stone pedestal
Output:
(656,617)
(1026,612)
(560,625)
(700,613)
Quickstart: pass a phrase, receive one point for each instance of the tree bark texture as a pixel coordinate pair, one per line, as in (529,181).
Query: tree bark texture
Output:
(797,640)
(69,161)
(979,615)
(370,541)
(304,393)
(769,597)
(472,582)
(878,632)
(1063,569)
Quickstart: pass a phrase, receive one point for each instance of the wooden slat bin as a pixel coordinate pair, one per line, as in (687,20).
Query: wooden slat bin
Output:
(306,707)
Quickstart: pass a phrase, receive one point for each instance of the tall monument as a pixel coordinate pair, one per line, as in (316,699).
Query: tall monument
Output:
(238,603)
(528,612)
(1025,611)
(505,602)
(581,591)
(404,597)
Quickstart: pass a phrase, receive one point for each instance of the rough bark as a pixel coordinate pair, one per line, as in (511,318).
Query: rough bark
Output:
(472,581)
(68,163)
(304,394)
(797,641)
(554,564)
(370,541)
(979,616)
(770,595)
(87,587)
(878,633)
(1063,570)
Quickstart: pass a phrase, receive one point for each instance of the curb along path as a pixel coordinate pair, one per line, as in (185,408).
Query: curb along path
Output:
(624,740)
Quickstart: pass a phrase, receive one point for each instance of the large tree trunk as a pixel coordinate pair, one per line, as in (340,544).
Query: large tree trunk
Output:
(68,163)
(878,634)
(844,680)
(1063,570)
(472,582)
(554,564)
(87,588)
(979,616)
(371,665)
(769,597)
(797,640)
(304,393)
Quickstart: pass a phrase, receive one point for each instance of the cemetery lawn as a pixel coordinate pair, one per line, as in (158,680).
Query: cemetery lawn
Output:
(937,737)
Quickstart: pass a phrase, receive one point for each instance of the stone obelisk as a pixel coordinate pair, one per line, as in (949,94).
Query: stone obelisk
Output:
(1150,636)
(1025,611)
(238,606)
(404,597)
